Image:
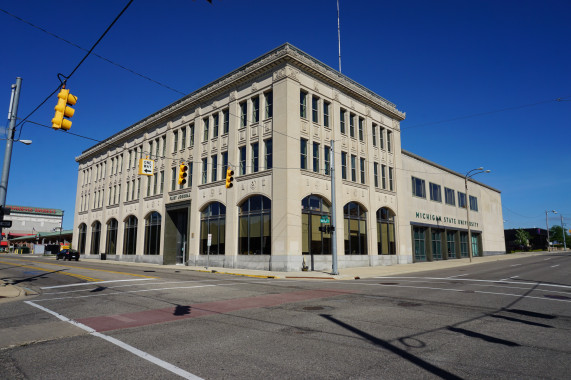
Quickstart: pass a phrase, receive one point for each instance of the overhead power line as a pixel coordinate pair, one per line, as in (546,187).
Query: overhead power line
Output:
(76,67)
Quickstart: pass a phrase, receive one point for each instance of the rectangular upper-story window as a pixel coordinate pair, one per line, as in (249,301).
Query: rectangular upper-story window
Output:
(418,187)
(206,124)
(243,114)
(190,171)
(303,104)
(435,192)
(352,125)
(214,171)
(362,169)
(255,109)
(374,134)
(303,153)
(269,104)
(391,182)
(389,141)
(316,157)
(361,129)
(191,135)
(173,179)
(353,168)
(327,160)
(182,138)
(376,174)
(204,170)
(449,197)
(268,161)
(242,160)
(157,147)
(314,109)
(255,158)
(175,141)
(226,116)
(326,107)
(473,203)
(224,163)
(461,200)
(215,124)
(384,176)
(344,165)
(342,114)
(164,146)
(381,137)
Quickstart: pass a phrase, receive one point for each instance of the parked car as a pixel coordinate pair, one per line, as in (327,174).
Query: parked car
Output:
(68,254)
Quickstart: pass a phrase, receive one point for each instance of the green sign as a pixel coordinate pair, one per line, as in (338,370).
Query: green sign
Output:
(324,219)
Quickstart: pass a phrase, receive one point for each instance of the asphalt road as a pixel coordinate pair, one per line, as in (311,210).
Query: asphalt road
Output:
(93,320)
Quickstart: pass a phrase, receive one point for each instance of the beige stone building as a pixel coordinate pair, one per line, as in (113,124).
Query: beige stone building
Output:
(272,121)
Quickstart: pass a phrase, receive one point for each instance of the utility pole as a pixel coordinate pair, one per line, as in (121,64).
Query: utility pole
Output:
(334,270)
(563,232)
(12,116)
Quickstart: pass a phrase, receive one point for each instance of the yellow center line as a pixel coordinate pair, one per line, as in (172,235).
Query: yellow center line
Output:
(47,270)
(99,270)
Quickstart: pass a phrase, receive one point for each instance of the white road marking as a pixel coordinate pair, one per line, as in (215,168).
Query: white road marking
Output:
(94,283)
(509,278)
(515,265)
(475,291)
(549,258)
(555,266)
(468,279)
(128,285)
(458,275)
(144,355)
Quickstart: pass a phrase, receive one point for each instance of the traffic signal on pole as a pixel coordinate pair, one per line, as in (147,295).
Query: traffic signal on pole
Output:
(229,178)
(63,110)
(182,174)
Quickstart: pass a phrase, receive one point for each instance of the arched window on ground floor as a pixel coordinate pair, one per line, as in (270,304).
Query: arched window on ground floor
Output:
(130,235)
(386,244)
(213,221)
(254,227)
(111,241)
(153,234)
(314,241)
(82,236)
(355,229)
(95,237)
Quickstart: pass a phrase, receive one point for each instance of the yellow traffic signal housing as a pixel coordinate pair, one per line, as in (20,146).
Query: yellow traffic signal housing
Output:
(182,174)
(229,178)
(63,110)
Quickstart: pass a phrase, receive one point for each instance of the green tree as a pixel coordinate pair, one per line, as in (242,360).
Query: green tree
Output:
(522,238)
(556,234)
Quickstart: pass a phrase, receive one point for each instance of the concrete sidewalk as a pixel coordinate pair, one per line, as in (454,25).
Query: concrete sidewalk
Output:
(12,292)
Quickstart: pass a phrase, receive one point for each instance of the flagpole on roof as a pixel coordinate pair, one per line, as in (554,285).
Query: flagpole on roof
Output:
(339,35)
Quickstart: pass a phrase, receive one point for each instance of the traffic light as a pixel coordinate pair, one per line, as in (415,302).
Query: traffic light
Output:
(63,109)
(229,178)
(182,169)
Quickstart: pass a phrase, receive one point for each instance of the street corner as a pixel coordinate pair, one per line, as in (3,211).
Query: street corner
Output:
(9,292)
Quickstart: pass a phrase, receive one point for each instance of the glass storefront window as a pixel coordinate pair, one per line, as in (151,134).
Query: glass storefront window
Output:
(386,244)
(111,245)
(355,223)
(254,234)
(213,221)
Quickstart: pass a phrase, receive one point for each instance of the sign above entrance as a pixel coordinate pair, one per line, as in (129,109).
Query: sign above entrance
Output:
(146,166)
(324,219)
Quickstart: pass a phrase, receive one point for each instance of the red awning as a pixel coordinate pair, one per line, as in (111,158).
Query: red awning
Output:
(10,234)
(3,243)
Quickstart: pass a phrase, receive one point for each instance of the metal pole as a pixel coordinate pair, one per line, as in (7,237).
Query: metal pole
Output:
(547,227)
(468,219)
(333,217)
(13,113)
(339,35)
(61,227)
(563,232)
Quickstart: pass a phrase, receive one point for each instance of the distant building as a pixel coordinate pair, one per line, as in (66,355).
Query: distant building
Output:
(272,121)
(28,221)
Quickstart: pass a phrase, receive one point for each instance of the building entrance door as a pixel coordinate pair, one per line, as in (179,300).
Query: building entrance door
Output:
(176,236)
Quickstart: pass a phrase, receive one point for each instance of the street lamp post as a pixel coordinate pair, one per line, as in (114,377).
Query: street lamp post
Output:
(467,201)
(547,226)
(563,233)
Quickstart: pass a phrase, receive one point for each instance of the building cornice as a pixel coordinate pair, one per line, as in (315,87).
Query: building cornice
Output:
(279,57)
(422,159)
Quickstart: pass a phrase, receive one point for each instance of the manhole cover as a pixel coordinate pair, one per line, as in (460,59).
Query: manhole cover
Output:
(556,297)
(313,308)
(409,304)
(388,283)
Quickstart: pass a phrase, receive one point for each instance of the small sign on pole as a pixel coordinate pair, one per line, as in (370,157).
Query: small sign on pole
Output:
(146,167)
(208,244)
(324,219)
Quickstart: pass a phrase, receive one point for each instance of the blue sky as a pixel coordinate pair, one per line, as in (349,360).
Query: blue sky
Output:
(448,64)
